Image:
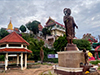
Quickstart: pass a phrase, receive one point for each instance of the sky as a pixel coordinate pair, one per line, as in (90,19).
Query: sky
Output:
(86,13)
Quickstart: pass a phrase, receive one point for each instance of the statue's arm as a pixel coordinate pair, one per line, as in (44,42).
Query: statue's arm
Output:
(74,23)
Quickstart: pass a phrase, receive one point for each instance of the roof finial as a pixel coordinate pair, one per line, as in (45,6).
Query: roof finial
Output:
(10,18)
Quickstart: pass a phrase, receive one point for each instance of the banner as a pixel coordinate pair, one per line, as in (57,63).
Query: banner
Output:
(52,55)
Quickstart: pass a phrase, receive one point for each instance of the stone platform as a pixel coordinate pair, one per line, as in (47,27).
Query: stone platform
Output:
(71,47)
(70,59)
(67,71)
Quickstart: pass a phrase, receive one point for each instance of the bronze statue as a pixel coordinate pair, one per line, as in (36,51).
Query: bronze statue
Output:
(41,55)
(70,25)
(85,56)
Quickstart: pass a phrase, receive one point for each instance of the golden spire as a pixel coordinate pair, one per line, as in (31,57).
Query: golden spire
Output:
(10,26)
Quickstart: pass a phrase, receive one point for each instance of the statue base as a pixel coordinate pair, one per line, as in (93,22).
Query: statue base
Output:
(71,47)
(70,59)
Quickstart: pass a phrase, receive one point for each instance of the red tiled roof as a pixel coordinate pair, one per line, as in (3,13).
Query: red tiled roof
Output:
(40,27)
(15,50)
(53,23)
(13,38)
(16,29)
(60,24)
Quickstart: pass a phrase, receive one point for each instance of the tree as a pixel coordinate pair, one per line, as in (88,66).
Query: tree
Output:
(82,44)
(46,31)
(3,33)
(35,46)
(61,42)
(22,28)
(33,26)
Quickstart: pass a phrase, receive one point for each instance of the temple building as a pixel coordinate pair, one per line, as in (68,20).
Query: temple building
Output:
(56,28)
(14,44)
(40,29)
(10,28)
(90,38)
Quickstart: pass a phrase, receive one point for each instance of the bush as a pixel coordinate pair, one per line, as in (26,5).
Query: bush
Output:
(95,62)
(61,42)
(2,57)
(49,51)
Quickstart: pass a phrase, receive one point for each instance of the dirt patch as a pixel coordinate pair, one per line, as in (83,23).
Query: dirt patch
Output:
(31,71)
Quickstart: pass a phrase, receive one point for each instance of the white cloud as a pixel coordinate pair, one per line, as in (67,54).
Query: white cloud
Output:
(86,13)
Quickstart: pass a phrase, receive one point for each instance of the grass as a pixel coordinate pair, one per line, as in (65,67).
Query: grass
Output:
(98,68)
(95,62)
(49,73)
(42,64)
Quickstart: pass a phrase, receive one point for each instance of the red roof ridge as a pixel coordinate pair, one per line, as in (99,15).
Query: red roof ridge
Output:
(97,48)
(55,22)
(15,50)
(13,37)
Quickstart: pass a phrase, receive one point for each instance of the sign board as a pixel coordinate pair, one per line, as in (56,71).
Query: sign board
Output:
(52,55)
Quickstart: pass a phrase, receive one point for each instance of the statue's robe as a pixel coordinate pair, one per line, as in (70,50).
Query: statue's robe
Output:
(70,26)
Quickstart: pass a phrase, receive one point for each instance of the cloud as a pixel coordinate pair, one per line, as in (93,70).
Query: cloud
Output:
(86,13)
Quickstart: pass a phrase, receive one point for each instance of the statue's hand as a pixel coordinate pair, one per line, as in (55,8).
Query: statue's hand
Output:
(77,27)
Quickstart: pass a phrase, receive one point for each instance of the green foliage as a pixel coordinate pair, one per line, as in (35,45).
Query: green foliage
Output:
(2,57)
(60,43)
(26,36)
(81,44)
(49,51)
(3,33)
(98,68)
(33,26)
(94,62)
(0,37)
(22,28)
(34,46)
(46,31)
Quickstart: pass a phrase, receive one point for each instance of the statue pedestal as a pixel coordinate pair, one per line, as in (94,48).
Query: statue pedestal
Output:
(70,59)
(71,47)
(67,71)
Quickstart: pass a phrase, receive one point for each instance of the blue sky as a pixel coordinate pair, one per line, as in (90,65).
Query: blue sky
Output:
(86,13)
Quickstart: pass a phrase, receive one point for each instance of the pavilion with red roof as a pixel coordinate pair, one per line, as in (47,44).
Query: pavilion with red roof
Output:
(14,44)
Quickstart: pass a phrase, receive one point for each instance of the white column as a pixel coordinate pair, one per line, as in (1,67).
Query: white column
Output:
(25,61)
(17,59)
(7,45)
(6,61)
(21,61)
(21,45)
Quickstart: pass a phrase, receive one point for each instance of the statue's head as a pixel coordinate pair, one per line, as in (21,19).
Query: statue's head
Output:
(67,11)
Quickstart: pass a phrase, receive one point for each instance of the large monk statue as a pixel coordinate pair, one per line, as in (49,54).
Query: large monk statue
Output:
(70,30)
(70,25)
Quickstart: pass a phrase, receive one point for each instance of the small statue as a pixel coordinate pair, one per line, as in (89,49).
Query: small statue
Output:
(70,25)
(41,55)
(85,56)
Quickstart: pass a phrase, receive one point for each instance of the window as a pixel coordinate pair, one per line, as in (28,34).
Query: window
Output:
(14,45)
(4,45)
(24,46)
